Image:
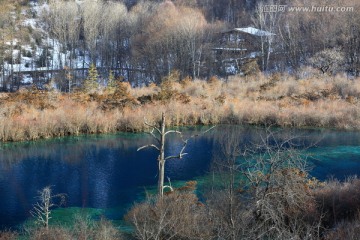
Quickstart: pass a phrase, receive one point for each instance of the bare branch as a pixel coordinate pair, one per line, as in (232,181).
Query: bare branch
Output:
(152,126)
(199,134)
(181,154)
(169,186)
(154,136)
(173,131)
(149,145)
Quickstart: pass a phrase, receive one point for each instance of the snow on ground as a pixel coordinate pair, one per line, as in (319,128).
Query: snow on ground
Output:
(57,59)
(13,42)
(27,79)
(30,22)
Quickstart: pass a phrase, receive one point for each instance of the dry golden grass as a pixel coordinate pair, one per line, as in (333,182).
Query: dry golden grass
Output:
(280,100)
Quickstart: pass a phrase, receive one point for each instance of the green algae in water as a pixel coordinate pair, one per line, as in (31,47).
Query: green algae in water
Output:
(337,162)
(66,217)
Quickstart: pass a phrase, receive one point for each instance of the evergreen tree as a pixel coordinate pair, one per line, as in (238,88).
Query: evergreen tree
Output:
(91,82)
(111,85)
(121,90)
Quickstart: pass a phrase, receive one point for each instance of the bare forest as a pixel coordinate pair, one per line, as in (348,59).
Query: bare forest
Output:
(142,41)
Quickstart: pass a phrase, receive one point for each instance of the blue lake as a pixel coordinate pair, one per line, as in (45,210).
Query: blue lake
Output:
(107,171)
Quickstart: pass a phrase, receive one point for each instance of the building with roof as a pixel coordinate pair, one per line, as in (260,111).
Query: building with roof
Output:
(238,46)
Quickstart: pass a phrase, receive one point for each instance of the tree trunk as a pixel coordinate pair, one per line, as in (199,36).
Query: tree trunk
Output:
(161,158)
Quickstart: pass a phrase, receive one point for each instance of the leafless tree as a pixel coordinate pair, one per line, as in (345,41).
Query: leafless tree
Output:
(42,209)
(328,60)
(159,134)
(171,40)
(261,189)
(115,32)
(160,147)
(283,205)
(92,17)
(63,24)
(266,21)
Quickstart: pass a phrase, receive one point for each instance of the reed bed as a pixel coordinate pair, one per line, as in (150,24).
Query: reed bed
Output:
(280,100)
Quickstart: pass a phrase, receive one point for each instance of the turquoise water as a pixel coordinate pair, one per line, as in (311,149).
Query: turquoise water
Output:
(106,172)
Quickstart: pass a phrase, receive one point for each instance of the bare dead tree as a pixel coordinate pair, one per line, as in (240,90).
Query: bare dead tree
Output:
(42,209)
(266,21)
(159,134)
(91,14)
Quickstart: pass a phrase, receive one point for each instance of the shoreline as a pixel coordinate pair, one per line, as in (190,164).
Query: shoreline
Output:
(284,102)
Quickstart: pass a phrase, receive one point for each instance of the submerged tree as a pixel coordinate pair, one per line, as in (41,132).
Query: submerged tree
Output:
(160,147)
(42,209)
(159,134)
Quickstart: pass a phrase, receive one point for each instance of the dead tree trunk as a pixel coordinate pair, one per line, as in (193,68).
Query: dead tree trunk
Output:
(162,157)
(159,135)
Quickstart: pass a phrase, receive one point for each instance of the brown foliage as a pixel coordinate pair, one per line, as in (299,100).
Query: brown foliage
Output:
(84,228)
(189,187)
(8,235)
(186,81)
(176,215)
(167,90)
(31,97)
(53,233)
(250,68)
(213,81)
(349,230)
(340,201)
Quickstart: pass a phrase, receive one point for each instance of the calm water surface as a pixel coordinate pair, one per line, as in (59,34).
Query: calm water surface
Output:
(106,171)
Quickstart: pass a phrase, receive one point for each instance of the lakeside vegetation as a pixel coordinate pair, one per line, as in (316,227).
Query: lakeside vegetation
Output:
(278,99)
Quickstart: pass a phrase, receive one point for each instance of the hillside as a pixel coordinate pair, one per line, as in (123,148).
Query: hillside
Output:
(143,41)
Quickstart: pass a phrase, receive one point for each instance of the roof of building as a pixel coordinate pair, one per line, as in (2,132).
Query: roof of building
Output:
(229,49)
(252,31)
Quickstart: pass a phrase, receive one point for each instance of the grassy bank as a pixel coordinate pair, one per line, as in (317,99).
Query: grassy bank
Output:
(282,100)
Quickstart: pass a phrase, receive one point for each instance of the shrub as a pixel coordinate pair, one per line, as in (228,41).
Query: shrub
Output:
(122,90)
(349,230)
(340,201)
(106,231)
(8,235)
(250,68)
(214,81)
(186,81)
(167,90)
(53,233)
(176,215)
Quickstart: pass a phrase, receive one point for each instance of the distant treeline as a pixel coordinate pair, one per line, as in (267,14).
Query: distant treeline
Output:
(157,37)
